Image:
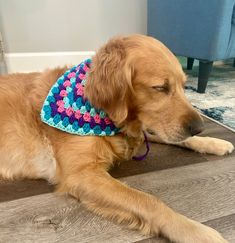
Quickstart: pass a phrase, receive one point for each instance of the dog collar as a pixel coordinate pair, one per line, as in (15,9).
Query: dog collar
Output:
(144,156)
(67,109)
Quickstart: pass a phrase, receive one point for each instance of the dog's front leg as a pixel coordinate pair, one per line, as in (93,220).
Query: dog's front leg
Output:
(207,145)
(108,197)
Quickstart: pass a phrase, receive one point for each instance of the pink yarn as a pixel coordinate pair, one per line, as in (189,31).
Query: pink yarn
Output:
(86,68)
(80,92)
(82,76)
(107,120)
(97,118)
(60,109)
(67,83)
(60,103)
(78,114)
(63,93)
(71,75)
(79,86)
(87,117)
(69,111)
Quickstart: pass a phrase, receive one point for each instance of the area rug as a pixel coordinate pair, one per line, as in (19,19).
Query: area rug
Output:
(218,102)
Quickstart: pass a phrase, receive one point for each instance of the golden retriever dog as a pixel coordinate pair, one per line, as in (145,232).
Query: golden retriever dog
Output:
(139,83)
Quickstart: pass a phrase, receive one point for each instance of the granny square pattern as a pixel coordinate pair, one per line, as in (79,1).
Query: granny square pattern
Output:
(67,109)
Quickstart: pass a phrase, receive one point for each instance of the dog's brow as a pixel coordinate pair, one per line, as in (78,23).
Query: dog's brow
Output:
(166,83)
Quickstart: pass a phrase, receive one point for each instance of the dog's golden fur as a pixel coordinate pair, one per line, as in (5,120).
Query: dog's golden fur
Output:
(139,83)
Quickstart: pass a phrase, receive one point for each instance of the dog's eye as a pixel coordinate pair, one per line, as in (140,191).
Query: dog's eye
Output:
(160,88)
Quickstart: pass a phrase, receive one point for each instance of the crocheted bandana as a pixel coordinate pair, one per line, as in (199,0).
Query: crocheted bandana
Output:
(67,109)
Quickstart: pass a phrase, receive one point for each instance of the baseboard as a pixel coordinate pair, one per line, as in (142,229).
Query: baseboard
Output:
(38,61)
(221,124)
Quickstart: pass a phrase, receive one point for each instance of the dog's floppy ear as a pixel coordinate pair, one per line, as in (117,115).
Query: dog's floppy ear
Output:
(109,82)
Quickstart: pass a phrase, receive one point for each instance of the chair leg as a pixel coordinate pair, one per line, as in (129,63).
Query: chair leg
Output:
(234,62)
(204,73)
(190,63)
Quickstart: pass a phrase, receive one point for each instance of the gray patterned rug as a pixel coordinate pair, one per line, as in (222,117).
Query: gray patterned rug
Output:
(218,102)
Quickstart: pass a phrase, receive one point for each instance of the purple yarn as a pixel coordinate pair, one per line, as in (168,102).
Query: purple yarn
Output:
(78,80)
(102,124)
(54,111)
(72,119)
(57,97)
(92,123)
(53,106)
(112,127)
(63,115)
(61,87)
(75,93)
(81,122)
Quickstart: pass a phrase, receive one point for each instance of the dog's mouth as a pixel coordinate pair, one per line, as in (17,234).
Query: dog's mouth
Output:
(166,138)
(151,132)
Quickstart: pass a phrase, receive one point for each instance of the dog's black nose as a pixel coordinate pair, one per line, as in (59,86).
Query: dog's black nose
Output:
(195,127)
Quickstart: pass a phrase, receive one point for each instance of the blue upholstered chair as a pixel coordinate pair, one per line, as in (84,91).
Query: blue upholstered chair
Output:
(197,29)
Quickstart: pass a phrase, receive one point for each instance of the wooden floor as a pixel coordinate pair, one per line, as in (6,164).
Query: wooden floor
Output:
(199,186)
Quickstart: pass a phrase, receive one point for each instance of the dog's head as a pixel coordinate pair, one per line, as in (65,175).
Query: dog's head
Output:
(140,84)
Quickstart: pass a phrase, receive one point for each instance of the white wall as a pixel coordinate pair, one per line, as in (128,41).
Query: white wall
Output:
(68,25)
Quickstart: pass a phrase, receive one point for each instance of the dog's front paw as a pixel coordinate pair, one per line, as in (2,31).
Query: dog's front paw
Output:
(205,234)
(185,230)
(219,147)
(225,147)
(209,145)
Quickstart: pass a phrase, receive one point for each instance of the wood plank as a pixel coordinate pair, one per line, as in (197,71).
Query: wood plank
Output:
(225,225)
(11,190)
(160,157)
(153,240)
(194,190)
(48,218)
(203,191)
